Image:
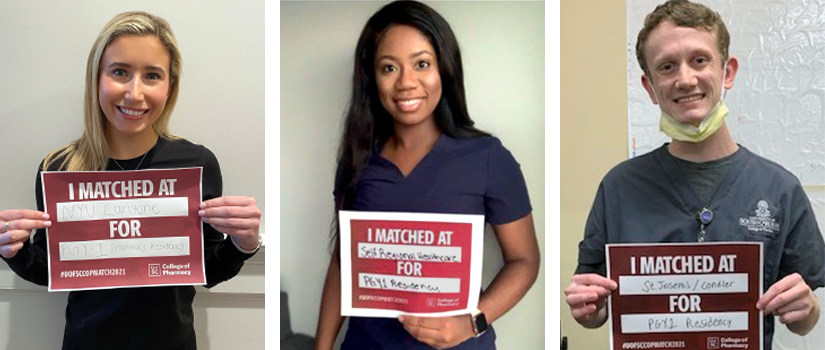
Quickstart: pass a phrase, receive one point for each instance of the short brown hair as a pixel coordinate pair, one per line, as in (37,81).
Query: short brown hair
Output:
(683,13)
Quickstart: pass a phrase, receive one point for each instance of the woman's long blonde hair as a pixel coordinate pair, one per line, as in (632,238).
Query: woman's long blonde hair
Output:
(90,151)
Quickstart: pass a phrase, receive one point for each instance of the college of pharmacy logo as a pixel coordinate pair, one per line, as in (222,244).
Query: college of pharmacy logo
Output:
(154,270)
(713,342)
(762,221)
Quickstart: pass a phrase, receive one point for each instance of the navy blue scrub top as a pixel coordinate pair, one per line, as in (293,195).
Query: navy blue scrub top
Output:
(458,176)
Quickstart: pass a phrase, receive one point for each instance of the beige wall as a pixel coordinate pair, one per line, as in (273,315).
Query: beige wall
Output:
(593,129)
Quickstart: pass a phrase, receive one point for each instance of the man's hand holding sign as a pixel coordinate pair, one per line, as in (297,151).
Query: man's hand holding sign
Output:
(793,302)
(587,297)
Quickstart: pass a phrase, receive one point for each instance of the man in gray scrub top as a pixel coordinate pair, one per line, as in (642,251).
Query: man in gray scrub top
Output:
(702,186)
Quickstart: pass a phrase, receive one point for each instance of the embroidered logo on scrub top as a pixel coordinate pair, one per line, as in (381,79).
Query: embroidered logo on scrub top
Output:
(762,221)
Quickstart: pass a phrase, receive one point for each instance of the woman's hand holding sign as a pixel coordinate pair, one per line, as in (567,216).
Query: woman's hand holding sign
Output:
(237,216)
(439,332)
(16,226)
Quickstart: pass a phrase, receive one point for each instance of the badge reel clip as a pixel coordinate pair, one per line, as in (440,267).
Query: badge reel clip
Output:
(705,216)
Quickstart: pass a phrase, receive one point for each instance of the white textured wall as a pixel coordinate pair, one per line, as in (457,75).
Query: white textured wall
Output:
(502,45)
(221,105)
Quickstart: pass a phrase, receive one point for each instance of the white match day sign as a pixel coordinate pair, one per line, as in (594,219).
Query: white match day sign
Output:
(115,229)
(685,295)
(410,263)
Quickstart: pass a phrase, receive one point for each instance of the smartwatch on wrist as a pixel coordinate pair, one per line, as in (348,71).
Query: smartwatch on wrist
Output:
(479,322)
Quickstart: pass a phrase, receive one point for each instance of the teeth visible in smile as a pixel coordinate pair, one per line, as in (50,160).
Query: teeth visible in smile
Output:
(409,102)
(131,112)
(689,98)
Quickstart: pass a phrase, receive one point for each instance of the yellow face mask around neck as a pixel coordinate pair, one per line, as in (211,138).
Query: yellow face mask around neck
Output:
(689,133)
(712,122)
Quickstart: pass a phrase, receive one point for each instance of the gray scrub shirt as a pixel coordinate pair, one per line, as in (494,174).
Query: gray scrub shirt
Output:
(647,200)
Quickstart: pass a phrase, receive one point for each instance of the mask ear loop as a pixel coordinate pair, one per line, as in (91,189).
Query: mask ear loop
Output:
(722,86)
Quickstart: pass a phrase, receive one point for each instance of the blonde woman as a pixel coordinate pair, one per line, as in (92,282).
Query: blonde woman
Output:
(132,81)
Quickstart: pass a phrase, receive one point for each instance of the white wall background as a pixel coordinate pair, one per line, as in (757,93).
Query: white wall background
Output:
(777,103)
(44,46)
(502,45)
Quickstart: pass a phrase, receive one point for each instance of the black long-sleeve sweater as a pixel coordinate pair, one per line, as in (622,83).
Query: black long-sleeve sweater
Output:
(146,317)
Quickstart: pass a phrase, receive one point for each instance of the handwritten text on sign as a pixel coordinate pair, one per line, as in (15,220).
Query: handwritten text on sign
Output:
(142,224)
(415,246)
(409,262)
(692,294)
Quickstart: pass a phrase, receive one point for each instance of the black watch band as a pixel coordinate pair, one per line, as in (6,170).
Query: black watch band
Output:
(479,322)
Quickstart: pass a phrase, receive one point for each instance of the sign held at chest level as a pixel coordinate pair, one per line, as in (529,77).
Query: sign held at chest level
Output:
(694,292)
(401,263)
(132,228)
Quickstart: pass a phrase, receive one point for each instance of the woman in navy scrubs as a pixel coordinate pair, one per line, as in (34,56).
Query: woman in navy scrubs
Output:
(409,145)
